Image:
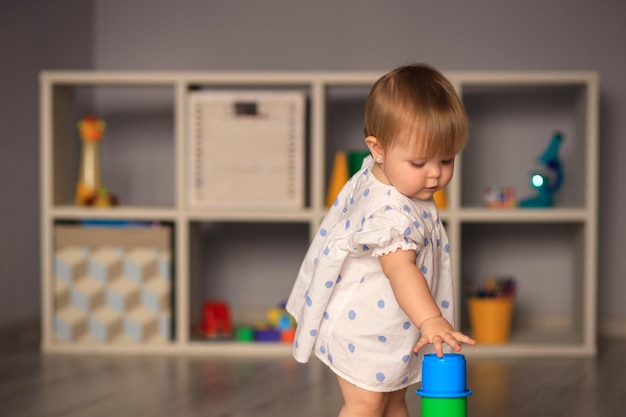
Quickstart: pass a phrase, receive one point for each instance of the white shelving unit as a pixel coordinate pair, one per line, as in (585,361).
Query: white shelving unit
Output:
(551,252)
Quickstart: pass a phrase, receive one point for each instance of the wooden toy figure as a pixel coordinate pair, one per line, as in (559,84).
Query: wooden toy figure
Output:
(89,190)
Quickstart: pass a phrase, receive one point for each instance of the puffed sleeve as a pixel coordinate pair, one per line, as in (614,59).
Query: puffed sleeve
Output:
(387,230)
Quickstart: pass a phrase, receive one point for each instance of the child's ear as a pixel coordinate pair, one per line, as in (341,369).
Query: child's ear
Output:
(375,147)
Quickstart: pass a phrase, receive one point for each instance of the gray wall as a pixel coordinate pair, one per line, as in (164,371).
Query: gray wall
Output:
(298,35)
(33,35)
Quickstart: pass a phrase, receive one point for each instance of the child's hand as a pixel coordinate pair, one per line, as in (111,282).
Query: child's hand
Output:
(437,330)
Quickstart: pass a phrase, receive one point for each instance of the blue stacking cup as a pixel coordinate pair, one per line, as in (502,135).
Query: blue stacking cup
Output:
(444,377)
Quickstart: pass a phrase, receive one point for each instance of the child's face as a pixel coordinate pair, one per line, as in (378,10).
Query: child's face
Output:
(412,174)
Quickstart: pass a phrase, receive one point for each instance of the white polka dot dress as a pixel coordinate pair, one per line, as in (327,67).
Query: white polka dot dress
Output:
(343,304)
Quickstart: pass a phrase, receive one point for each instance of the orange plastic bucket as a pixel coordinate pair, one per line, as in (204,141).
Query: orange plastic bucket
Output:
(490,319)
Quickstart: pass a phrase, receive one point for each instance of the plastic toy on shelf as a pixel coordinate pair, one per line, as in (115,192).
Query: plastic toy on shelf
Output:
(496,197)
(339,176)
(441,199)
(89,190)
(491,310)
(280,320)
(279,326)
(216,321)
(548,179)
(217,325)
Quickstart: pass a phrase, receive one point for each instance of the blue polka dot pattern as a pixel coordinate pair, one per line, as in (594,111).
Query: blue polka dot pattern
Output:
(369,220)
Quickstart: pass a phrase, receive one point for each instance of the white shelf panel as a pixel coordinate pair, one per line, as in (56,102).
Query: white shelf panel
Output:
(240,348)
(252,215)
(536,341)
(131,78)
(556,215)
(527,350)
(267,349)
(113,213)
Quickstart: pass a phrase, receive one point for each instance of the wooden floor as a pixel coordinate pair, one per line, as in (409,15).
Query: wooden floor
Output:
(35,385)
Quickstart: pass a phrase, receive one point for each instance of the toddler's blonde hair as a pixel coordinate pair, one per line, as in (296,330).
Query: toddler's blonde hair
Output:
(417,103)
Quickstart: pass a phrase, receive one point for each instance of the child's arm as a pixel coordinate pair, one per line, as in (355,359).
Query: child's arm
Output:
(412,293)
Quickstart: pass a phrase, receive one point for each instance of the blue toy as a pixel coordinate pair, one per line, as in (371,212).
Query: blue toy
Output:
(444,391)
(547,180)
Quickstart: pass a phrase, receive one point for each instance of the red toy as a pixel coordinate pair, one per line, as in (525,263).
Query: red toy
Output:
(216,320)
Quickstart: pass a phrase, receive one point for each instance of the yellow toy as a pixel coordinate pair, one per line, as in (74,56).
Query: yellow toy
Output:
(338,177)
(89,190)
(441,199)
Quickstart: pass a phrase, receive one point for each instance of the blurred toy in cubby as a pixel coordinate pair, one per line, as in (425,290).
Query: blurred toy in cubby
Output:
(499,197)
(90,190)
(548,177)
(346,164)
(495,287)
(278,326)
(216,322)
(491,310)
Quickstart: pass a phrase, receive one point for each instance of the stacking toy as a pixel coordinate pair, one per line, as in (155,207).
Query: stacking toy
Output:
(444,391)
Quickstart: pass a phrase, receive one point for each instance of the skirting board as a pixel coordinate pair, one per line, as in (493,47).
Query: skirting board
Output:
(612,327)
(19,335)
